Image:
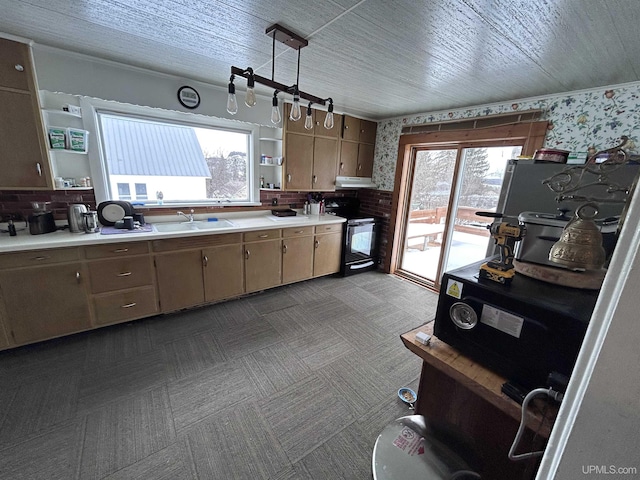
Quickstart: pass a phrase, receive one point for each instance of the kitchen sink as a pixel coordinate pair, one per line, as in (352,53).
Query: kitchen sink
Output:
(191,226)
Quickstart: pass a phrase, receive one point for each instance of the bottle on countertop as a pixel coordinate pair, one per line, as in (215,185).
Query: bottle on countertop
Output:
(12,229)
(261,182)
(307,208)
(321,207)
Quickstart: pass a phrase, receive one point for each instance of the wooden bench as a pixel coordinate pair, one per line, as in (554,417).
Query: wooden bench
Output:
(428,232)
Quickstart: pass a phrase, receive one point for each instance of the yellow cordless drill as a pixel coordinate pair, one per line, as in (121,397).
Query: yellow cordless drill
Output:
(505,235)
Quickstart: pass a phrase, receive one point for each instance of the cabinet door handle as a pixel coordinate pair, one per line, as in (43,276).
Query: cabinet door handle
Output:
(121,250)
(205,260)
(341,166)
(78,277)
(40,258)
(18,67)
(346,127)
(123,274)
(288,177)
(315,179)
(299,231)
(264,235)
(39,169)
(359,166)
(128,305)
(316,244)
(284,248)
(247,253)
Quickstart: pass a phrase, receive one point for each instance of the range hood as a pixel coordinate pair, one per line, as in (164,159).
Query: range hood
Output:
(355,182)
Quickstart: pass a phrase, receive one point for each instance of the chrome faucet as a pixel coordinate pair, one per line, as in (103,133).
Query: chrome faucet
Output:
(188,217)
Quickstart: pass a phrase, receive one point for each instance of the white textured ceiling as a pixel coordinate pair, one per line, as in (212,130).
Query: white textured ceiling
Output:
(376,58)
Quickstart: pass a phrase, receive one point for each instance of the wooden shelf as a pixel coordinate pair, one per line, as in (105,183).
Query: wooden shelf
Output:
(66,150)
(62,112)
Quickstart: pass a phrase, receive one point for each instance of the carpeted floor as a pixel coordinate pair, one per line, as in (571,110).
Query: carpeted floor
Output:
(291,383)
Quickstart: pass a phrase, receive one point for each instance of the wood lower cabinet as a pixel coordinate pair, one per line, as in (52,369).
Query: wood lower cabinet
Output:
(328,249)
(223,272)
(262,265)
(45,302)
(297,259)
(180,282)
(122,282)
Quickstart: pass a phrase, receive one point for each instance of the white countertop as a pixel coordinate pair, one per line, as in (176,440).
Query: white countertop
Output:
(241,222)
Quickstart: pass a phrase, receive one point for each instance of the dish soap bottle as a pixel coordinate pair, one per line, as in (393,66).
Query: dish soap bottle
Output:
(261,182)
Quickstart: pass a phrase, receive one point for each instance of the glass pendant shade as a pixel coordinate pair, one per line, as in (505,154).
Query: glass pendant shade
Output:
(275,111)
(308,121)
(328,121)
(295,114)
(232,102)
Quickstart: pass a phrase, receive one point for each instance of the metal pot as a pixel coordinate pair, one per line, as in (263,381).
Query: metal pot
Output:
(75,214)
(41,222)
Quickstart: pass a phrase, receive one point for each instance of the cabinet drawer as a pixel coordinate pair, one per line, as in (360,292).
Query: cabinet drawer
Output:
(333,227)
(297,231)
(261,235)
(116,250)
(189,243)
(120,273)
(124,306)
(38,257)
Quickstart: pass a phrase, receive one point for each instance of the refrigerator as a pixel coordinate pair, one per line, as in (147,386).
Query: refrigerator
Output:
(523,190)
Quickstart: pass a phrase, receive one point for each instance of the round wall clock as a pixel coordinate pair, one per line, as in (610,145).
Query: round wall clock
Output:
(188,97)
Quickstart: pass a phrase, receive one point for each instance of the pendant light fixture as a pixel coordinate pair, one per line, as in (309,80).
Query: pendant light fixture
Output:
(292,40)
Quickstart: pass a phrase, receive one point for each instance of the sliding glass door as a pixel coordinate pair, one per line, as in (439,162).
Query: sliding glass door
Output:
(447,187)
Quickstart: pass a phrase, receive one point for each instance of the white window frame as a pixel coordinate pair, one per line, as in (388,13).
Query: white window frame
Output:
(97,160)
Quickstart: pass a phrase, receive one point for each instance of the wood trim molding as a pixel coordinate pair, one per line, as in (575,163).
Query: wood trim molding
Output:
(533,134)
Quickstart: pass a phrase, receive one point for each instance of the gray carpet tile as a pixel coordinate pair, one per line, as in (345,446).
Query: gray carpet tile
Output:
(171,463)
(274,368)
(320,312)
(125,432)
(173,326)
(236,443)
(36,406)
(242,339)
(358,383)
(207,392)
(29,363)
(307,291)
(345,456)
(101,385)
(396,365)
(7,395)
(107,346)
(193,354)
(320,347)
(52,455)
(358,299)
(305,415)
(367,278)
(284,321)
(369,425)
(360,332)
(391,319)
(273,300)
(294,472)
(234,313)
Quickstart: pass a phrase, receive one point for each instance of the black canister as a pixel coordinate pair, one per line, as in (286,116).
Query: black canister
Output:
(41,222)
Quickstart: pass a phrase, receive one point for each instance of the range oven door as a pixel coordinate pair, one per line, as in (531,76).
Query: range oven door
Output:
(360,249)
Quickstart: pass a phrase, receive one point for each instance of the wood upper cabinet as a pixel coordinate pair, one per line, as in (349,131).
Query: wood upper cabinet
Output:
(325,154)
(358,130)
(298,161)
(223,272)
(180,283)
(45,302)
(357,147)
(23,151)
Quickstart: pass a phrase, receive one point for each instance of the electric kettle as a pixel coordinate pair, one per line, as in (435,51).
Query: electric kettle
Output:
(75,215)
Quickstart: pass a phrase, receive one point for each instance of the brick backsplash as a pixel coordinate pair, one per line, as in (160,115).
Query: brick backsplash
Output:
(378,203)
(297,199)
(18,202)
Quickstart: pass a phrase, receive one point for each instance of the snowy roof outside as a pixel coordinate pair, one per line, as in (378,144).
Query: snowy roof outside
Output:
(141,147)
